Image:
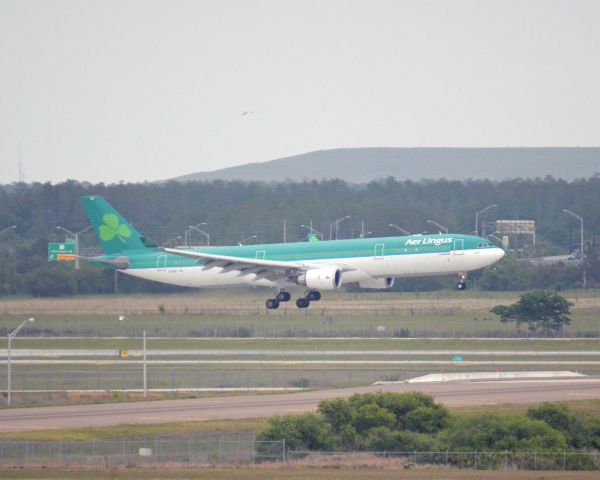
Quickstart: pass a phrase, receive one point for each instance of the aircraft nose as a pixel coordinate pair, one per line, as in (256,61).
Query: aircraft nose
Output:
(499,253)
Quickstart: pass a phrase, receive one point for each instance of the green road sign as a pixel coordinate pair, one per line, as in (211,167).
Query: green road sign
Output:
(61,251)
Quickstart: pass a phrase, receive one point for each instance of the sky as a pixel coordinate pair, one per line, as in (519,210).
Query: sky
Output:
(127,90)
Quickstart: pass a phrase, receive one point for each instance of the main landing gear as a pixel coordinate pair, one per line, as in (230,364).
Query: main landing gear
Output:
(309,296)
(462,281)
(280,296)
(302,302)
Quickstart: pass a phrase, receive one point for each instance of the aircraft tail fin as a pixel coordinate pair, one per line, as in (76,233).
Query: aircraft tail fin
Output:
(114,233)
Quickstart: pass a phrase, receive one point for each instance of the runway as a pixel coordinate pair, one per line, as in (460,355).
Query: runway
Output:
(234,407)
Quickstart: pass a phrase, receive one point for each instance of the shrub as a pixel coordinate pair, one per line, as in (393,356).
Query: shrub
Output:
(301,432)
(384,439)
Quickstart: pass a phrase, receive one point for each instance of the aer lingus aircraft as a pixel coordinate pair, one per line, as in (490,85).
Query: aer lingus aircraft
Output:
(370,262)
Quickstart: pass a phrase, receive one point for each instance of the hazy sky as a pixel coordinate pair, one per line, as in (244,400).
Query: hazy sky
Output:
(146,90)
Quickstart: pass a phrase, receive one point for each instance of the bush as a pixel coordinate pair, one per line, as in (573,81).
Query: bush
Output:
(301,432)
(384,439)
(496,433)
(370,416)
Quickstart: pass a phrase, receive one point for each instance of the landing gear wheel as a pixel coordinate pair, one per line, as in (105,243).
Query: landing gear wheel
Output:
(272,304)
(283,296)
(314,295)
(461,286)
(302,302)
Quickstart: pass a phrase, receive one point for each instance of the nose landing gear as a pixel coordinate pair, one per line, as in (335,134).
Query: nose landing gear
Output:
(462,281)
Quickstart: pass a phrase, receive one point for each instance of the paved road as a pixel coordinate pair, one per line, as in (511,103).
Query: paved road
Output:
(451,394)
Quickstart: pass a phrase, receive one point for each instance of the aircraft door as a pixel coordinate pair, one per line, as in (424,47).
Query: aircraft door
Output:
(260,254)
(161,262)
(378,251)
(459,245)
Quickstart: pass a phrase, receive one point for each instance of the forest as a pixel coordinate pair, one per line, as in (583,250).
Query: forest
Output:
(260,212)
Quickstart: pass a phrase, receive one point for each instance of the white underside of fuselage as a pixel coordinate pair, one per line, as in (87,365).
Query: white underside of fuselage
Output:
(364,268)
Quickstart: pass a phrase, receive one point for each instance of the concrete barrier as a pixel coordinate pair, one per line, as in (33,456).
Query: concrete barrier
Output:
(454,377)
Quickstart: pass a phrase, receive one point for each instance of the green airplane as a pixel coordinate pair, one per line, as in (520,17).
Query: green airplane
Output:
(316,265)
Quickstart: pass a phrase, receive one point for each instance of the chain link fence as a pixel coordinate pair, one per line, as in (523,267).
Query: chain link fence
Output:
(146,452)
(477,460)
(240,449)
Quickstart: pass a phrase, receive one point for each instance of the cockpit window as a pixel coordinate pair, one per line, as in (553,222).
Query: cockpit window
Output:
(485,245)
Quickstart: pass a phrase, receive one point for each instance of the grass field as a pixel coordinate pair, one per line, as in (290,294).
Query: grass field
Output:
(306,344)
(294,473)
(222,313)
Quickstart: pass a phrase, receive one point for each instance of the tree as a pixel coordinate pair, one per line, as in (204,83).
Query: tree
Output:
(540,310)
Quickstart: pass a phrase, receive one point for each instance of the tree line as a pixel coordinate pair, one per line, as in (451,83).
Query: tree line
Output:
(269,212)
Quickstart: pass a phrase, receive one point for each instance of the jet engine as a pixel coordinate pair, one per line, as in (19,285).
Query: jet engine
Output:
(379,283)
(329,278)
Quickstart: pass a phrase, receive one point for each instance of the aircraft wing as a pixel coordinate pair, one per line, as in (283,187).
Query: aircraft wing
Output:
(262,268)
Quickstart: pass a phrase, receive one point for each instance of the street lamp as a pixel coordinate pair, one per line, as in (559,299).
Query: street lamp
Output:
(365,234)
(580,218)
(173,240)
(8,357)
(439,226)
(243,240)
(400,229)
(7,228)
(477,217)
(188,233)
(313,231)
(337,225)
(145,373)
(75,235)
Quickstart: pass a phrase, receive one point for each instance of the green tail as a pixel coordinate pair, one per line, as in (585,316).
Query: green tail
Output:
(114,233)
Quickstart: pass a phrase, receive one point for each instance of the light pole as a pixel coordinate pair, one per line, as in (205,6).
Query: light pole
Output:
(241,242)
(75,235)
(477,217)
(337,226)
(173,240)
(364,234)
(188,233)
(580,218)
(313,231)
(145,372)
(400,229)
(8,357)
(7,228)
(445,229)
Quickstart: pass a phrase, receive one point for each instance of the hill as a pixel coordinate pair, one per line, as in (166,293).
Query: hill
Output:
(360,165)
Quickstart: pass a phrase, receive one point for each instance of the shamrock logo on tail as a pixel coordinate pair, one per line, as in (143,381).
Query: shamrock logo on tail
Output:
(112,228)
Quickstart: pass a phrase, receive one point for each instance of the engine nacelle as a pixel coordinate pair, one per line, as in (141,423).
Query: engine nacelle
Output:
(329,278)
(380,283)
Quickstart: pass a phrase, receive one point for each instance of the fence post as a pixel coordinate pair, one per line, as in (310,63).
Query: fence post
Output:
(253,450)
(189,450)
(564,460)
(535,460)
(123,447)
(446,457)
(284,451)
(475,460)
